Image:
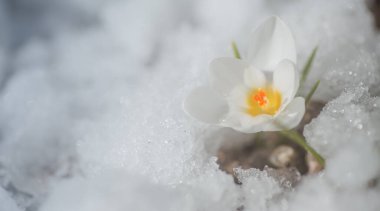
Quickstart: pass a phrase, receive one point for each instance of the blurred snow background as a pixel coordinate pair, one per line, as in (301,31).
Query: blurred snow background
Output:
(91,98)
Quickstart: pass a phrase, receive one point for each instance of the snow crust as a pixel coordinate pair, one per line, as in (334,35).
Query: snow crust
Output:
(91,105)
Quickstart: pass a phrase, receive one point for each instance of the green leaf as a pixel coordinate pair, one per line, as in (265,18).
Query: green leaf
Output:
(236,50)
(311,93)
(307,67)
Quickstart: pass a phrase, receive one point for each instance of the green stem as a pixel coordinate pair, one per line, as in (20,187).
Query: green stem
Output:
(307,67)
(312,91)
(298,139)
(236,50)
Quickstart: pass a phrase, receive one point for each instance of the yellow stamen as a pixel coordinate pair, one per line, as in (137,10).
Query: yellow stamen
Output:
(265,100)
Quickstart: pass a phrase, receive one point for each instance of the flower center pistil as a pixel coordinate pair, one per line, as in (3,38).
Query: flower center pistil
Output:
(266,100)
(261,98)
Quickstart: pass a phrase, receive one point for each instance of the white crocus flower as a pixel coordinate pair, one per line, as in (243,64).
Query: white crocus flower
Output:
(257,92)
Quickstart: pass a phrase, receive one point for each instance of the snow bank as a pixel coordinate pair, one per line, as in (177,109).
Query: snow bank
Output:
(91,117)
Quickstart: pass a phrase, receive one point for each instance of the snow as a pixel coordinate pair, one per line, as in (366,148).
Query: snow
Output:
(118,190)
(7,203)
(259,189)
(351,141)
(91,99)
(346,134)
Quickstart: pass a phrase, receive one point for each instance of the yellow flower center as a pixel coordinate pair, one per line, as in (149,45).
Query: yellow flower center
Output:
(265,100)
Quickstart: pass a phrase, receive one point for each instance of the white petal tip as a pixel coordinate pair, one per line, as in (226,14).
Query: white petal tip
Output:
(293,113)
(205,105)
(271,43)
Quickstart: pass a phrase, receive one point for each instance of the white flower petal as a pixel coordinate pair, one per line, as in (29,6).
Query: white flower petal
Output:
(237,98)
(286,80)
(243,122)
(271,43)
(255,124)
(292,115)
(206,105)
(226,73)
(254,78)
(269,125)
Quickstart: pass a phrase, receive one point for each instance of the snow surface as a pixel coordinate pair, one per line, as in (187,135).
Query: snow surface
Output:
(91,98)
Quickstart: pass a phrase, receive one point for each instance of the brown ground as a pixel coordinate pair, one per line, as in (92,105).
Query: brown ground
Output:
(374,7)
